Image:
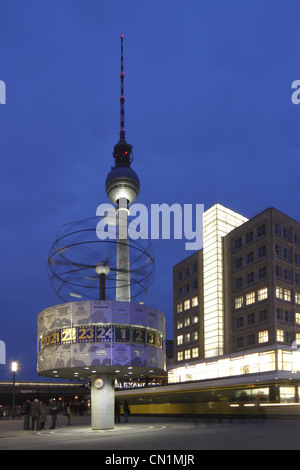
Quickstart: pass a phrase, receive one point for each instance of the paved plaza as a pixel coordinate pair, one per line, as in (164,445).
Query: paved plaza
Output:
(154,434)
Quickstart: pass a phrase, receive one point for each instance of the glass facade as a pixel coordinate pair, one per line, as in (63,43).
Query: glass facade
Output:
(218,221)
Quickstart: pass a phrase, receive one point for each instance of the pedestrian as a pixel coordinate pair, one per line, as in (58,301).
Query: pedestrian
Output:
(67,414)
(117,412)
(26,413)
(126,411)
(35,413)
(53,410)
(43,417)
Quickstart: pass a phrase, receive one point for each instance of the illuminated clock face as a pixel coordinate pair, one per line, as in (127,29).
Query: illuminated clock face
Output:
(98,383)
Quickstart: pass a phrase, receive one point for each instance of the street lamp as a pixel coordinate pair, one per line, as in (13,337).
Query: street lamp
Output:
(102,270)
(14,368)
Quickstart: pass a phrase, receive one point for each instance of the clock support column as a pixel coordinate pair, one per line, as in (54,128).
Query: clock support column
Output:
(103,401)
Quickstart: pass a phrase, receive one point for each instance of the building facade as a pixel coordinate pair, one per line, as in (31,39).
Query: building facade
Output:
(262,292)
(241,292)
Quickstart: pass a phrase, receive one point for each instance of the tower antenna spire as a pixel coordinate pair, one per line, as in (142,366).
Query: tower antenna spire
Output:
(122,150)
(122,99)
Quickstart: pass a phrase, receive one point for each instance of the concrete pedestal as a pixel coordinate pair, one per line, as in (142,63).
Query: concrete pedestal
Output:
(102,401)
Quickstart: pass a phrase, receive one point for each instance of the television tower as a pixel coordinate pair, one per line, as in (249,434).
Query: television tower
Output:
(122,186)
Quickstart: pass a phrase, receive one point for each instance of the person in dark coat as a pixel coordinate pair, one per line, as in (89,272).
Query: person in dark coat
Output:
(35,413)
(26,413)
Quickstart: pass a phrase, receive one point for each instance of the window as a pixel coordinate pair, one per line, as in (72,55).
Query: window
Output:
(179,308)
(195,336)
(179,276)
(261,230)
(187,272)
(187,338)
(279,292)
(187,354)
(287,254)
(180,356)
(262,294)
(250,298)
(279,314)
(297,238)
(179,340)
(278,271)
(261,252)
(250,278)
(262,315)
(250,318)
(239,342)
(194,284)
(249,237)
(286,233)
(195,352)
(278,229)
(297,259)
(263,336)
(262,272)
(249,257)
(297,298)
(239,322)
(238,263)
(278,250)
(238,243)
(297,317)
(238,282)
(179,324)
(297,278)
(195,319)
(195,301)
(251,339)
(280,335)
(187,321)
(187,304)
(287,294)
(186,288)
(238,302)
(287,336)
(194,268)
(287,274)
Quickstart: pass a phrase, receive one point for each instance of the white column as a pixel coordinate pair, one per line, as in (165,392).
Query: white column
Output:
(123,262)
(102,401)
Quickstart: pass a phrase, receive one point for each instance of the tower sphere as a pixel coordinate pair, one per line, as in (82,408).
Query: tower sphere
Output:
(122,182)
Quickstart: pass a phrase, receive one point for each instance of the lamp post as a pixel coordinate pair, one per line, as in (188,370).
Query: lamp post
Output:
(102,270)
(14,368)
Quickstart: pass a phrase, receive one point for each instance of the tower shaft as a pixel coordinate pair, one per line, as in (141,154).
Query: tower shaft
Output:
(123,263)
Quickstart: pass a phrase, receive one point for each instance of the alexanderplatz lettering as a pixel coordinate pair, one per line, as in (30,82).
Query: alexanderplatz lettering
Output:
(155,224)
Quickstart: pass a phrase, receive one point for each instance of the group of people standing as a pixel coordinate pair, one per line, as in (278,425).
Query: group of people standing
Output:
(35,414)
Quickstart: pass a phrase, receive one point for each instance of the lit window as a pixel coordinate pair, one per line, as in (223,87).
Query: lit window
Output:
(179,324)
(263,336)
(187,304)
(194,301)
(287,294)
(179,308)
(195,335)
(297,298)
(238,302)
(195,352)
(250,298)
(298,338)
(180,356)
(279,292)
(180,339)
(187,321)
(187,337)
(187,354)
(280,335)
(195,319)
(262,294)
(297,317)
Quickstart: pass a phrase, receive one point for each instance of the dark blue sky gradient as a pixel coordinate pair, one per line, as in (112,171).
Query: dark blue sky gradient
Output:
(208,112)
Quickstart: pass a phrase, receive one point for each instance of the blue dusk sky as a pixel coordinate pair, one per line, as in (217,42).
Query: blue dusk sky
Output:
(208,112)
